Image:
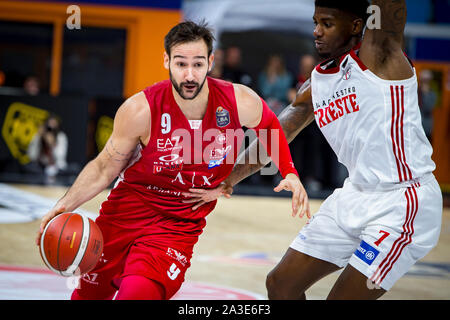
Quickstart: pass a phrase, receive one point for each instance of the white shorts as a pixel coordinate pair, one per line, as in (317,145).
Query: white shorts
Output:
(380,233)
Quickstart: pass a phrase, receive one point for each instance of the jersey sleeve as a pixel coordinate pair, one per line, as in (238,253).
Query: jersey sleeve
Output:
(271,135)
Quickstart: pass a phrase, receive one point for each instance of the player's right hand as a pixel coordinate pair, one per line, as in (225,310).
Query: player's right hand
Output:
(45,219)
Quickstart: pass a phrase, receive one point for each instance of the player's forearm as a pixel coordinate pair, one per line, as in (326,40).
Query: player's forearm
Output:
(272,137)
(242,169)
(293,119)
(92,180)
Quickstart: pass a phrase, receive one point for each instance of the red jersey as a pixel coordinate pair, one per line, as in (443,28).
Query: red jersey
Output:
(182,154)
(146,227)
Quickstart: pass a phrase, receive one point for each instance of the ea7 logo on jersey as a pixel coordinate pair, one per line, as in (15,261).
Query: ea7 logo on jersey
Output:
(168,144)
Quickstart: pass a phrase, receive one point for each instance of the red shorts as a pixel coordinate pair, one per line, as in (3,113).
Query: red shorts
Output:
(157,247)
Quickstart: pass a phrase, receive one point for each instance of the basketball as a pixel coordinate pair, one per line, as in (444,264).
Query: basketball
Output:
(71,244)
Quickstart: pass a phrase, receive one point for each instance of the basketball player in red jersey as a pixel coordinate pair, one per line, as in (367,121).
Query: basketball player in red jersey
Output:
(178,134)
(363,97)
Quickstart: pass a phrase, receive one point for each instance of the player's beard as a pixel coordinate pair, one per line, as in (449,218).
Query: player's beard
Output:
(179,87)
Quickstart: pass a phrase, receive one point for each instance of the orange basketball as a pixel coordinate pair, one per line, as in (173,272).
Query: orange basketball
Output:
(71,244)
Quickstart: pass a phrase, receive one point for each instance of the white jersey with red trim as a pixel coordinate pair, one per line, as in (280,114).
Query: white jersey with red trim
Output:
(373,125)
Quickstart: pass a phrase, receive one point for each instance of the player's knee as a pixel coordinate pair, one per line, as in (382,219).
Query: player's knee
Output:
(280,288)
(274,286)
(77,296)
(91,296)
(135,287)
(269,282)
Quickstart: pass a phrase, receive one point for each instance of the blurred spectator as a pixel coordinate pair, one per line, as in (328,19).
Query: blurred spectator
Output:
(232,70)
(217,70)
(32,86)
(2,78)
(306,65)
(427,101)
(274,83)
(48,149)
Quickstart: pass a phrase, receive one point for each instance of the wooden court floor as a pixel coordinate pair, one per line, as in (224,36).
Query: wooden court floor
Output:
(244,239)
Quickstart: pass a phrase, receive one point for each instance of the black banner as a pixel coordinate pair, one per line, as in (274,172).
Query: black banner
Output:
(101,117)
(87,124)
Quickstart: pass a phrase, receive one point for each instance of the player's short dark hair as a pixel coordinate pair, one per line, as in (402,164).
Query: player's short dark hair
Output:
(355,7)
(189,31)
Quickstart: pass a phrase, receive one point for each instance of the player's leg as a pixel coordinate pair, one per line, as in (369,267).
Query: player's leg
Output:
(107,296)
(157,270)
(136,287)
(320,248)
(393,242)
(353,285)
(98,283)
(294,274)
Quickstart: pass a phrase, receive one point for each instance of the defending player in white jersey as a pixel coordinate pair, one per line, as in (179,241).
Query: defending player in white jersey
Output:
(388,213)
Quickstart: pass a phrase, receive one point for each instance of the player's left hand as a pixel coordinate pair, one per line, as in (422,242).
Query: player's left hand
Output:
(202,196)
(299,196)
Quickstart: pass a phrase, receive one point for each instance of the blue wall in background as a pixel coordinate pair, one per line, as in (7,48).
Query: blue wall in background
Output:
(432,49)
(442,11)
(423,11)
(419,11)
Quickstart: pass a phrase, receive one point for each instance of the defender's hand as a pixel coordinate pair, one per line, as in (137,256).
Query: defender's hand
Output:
(203,196)
(45,219)
(299,196)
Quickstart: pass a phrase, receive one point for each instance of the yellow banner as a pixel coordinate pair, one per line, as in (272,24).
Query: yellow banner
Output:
(21,123)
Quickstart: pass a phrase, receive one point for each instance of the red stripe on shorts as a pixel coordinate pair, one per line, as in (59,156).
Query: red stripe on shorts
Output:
(404,239)
(409,238)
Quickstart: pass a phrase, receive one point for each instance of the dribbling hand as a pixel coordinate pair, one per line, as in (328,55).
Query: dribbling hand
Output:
(45,219)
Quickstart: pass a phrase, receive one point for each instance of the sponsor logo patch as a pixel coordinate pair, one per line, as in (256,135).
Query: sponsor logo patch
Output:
(222,117)
(220,153)
(171,162)
(174,254)
(216,163)
(366,252)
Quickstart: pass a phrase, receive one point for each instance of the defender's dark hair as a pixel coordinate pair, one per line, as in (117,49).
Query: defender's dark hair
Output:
(189,31)
(355,7)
